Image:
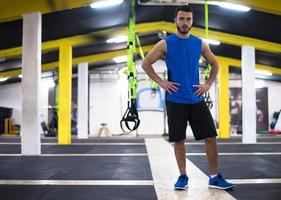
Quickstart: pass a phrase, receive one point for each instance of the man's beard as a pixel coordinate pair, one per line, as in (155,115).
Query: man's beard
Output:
(183,32)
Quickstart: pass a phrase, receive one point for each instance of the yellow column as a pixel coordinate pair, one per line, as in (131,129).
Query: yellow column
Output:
(224,119)
(64,98)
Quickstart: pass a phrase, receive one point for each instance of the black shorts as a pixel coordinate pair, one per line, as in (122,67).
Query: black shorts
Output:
(199,117)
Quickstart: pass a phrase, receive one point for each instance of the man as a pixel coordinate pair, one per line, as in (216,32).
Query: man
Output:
(181,52)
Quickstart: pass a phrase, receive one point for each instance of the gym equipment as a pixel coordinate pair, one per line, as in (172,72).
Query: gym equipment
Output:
(48,131)
(50,127)
(103,130)
(276,123)
(10,127)
(274,119)
(5,113)
(131,114)
(157,92)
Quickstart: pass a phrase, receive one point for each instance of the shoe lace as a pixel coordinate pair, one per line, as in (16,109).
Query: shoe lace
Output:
(182,177)
(221,179)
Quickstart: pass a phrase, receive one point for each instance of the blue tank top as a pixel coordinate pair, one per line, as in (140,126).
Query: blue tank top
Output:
(182,60)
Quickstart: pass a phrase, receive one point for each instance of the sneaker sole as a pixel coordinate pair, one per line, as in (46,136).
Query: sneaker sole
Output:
(181,188)
(221,188)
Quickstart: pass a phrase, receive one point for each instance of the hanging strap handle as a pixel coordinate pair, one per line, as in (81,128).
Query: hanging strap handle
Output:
(130,120)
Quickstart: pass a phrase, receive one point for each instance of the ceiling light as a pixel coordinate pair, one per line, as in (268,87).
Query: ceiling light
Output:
(105,3)
(120,59)
(3,79)
(118,39)
(234,6)
(263,73)
(212,42)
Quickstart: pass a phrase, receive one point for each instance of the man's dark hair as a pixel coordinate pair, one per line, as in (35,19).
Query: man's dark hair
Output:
(185,8)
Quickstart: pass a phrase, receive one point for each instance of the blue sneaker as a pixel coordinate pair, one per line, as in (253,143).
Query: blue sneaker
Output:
(219,182)
(182,182)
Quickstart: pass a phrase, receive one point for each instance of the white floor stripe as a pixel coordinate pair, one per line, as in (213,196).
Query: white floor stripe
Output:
(165,172)
(238,154)
(76,182)
(78,144)
(84,154)
(256,181)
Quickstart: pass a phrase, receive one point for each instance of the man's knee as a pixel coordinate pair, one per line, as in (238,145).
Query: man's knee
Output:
(210,140)
(181,142)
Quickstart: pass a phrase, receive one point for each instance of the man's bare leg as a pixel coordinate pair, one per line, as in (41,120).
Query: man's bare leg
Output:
(212,154)
(179,150)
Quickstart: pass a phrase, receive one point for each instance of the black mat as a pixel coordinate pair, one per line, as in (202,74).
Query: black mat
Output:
(10,149)
(79,149)
(236,148)
(48,192)
(243,167)
(76,168)
(94,149)
(257,192)
(14,139)
(272,138)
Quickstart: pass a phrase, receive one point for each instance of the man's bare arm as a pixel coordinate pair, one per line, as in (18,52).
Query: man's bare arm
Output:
(158,52)
(211,59)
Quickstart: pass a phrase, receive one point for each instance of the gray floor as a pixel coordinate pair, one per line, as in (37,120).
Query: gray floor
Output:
(66,167)
(233,148)
(75,168)
(77,149)
(257,192)
(245,166)
(48,192)
(96,160)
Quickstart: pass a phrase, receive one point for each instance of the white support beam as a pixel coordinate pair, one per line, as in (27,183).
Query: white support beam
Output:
(82,99)
(248,95)
(31,71)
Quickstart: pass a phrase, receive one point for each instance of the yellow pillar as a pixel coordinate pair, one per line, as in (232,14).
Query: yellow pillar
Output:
(64,98)
(224,119)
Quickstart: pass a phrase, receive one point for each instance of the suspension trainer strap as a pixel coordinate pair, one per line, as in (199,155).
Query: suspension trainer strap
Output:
(206,95)
(139,45)
(130,120)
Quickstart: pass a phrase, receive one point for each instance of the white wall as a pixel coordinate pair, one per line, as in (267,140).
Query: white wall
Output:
(105,105)
(108,101)
(11,96)
(274,98)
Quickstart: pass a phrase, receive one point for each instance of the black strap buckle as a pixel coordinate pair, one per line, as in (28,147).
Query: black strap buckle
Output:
(130,118)
(208,100)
